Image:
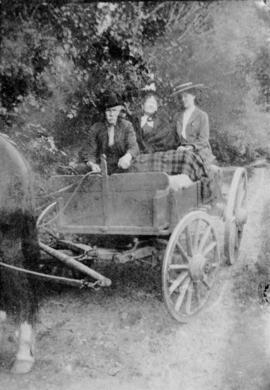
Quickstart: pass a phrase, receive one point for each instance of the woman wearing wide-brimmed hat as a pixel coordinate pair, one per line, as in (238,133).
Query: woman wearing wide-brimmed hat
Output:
(113,136)
(192,124)
(152,125)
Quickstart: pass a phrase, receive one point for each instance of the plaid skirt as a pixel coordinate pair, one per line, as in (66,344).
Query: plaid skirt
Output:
(175,162)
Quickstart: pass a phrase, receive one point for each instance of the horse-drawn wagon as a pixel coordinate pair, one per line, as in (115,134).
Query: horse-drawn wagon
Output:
(175,224)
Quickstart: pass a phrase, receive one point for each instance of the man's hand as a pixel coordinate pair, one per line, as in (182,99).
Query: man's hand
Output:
(72,164)
(93,166)
(125,161)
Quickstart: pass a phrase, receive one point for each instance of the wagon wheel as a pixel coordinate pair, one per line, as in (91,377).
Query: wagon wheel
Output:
(46,222)
(190,266)
(235,215)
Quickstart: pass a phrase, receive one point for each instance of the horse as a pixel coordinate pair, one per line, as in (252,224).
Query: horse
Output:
(18,247)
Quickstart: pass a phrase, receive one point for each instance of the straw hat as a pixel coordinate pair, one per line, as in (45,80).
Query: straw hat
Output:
(179,88)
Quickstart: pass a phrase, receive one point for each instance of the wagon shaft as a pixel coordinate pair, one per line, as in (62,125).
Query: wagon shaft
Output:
(72,263)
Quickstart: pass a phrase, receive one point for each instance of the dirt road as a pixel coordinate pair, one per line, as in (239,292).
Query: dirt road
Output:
(124,339)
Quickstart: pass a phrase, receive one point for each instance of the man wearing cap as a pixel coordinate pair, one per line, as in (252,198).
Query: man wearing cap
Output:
(192,125)
(113,136)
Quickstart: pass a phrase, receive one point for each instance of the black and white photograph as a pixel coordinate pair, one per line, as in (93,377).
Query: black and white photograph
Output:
(135,195)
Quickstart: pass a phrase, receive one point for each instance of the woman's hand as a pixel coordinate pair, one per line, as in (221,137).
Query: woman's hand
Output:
(93,166)
(125,161)
(182,148)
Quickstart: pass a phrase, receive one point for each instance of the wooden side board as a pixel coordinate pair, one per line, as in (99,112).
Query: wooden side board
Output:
(121,200)
(183,201)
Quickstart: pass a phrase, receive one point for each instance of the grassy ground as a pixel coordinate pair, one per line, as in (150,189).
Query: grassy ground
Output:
(123,338)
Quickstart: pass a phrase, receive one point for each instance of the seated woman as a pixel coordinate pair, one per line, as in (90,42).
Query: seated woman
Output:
(157,141)
(192,124)
(152,125)
(112,136)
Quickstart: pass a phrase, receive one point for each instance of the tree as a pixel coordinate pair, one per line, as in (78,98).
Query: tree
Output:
(57,57)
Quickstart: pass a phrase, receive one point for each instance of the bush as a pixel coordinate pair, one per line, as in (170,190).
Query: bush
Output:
(57,57)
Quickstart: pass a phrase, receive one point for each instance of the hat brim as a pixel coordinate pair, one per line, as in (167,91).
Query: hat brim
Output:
(185,88)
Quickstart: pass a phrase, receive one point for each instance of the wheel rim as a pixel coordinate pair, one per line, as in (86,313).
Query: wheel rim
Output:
(235,215)
(190,266)
(46,222)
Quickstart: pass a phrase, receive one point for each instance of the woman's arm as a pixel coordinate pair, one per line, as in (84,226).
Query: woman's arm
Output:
(131,141)
(202,135)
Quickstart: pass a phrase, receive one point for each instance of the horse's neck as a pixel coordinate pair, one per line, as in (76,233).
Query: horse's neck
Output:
(15,177)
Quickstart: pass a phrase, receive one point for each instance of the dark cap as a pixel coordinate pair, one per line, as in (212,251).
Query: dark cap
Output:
(110,99)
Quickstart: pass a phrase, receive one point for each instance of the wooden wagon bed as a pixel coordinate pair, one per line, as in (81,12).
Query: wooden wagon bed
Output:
(129,204)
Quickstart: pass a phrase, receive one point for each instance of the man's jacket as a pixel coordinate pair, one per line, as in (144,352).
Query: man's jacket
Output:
(98,143)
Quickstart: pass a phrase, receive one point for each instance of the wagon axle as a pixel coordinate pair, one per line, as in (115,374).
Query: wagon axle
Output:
(197,266)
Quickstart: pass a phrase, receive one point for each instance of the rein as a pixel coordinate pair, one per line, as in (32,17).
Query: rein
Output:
(60,279)
(64,189)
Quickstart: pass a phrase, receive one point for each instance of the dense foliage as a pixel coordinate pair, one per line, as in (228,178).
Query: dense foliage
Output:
(58,56)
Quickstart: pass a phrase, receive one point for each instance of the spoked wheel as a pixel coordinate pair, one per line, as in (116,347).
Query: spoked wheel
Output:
(190,266)
(46,222)
(235,215)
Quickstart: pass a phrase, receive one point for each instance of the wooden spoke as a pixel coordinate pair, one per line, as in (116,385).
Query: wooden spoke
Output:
(204,238)
(196,236)
(182,251)
(209,248)
(189,298)
(176,283)
(196,292)
(189,241)
(178,267)
(205,283)
(182,295)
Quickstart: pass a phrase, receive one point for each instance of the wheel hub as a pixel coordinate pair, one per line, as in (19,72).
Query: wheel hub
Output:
(196,266)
